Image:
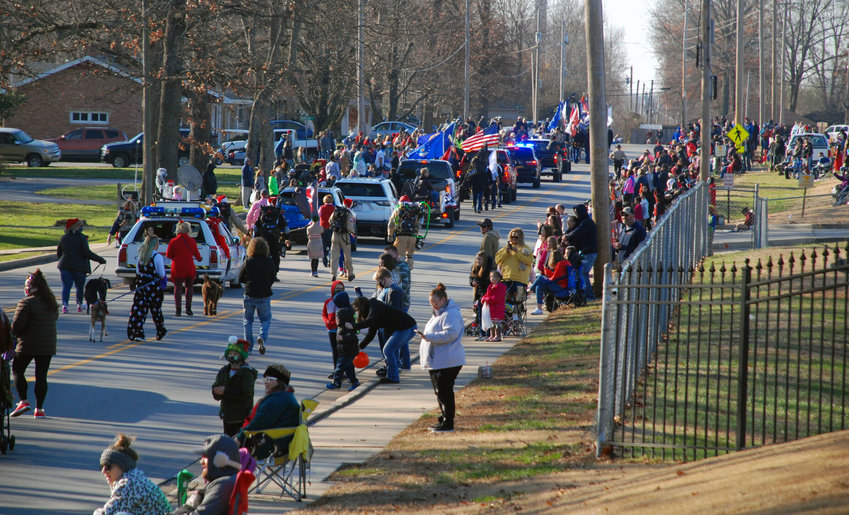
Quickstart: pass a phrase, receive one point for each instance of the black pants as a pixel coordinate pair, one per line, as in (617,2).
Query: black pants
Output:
(42,365)
(443,386)
(332,336)
(231,428)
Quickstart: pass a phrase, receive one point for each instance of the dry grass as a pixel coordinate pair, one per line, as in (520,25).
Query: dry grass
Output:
(517,432)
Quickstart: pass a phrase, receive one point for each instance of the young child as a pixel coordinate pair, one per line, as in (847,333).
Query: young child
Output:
(234,386)
(347,344)
(494,297)
(479,281)
(328,314)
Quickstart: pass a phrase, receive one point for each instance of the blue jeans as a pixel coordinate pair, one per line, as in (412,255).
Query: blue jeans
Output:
(543,285)
(344,368)
(395,345)
(263,311)
(72,279)
(586,266)
(477,199)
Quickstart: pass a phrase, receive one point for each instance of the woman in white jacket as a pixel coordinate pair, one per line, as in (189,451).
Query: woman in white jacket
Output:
(442,353)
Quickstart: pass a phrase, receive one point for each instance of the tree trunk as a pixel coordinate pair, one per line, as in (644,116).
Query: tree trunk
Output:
(201,130)
(170,110)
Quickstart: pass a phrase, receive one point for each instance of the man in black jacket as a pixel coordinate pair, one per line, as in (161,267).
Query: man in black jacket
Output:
(583,238)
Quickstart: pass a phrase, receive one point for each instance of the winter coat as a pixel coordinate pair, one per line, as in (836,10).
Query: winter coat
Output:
(35,327)
(489,246)
(238,397)
(328,313)
(257,274)
(183,251)
(315,247)
(382,316)
(442,345)
(74,254)
(516,264)
(494,298)
(216,496)
(135,493)
(583,236)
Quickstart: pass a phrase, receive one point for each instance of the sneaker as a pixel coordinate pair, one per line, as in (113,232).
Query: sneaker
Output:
(333,386)
(39,413)
(161,335)
(381,372)
(315,274)
(189,311)
(353,386)
(536,312)
(20,409)
(386,380)
(261,343)
(80,308)
(442,427)
(351,277)
(64,308)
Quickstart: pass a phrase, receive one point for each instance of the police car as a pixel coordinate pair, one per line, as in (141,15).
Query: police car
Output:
(218,263)
(374,201)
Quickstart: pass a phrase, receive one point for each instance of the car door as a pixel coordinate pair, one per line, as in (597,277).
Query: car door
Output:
(10,150)
(90,146)
(71,143)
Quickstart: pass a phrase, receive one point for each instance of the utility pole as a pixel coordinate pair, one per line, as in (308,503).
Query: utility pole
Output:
(774,63)
(637,96)
(738,79)
(564,38)
(783,63)
(361,51)
(761,76)
(746,109)
(594,30)
(631,90)
(651,102)
(846,101)
(538,37)
(643,111)
(704,134)
(466,69)
(147,113)
(684,72)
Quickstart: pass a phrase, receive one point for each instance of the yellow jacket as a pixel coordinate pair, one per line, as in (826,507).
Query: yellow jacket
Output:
(515,264)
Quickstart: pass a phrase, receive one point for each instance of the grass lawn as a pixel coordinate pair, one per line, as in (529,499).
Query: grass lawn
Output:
(24,225)
(103,192)
(531,420)
(81,172)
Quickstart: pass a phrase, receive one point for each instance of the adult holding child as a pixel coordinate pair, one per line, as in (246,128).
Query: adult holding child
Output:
(442,353)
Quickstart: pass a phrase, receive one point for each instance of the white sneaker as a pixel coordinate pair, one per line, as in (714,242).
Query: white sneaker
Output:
(537,312)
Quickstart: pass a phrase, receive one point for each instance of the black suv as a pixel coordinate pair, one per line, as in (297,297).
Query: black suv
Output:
(552,162)
(125,153)
(526,164)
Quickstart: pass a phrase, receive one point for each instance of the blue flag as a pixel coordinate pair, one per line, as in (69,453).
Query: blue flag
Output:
(555,120)
(433,146)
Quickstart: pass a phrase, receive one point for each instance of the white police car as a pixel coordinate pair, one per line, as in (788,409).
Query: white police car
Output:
(163,218)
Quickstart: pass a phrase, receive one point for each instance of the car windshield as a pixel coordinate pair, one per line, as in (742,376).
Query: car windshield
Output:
(137,137)
(360,189)
(165,230)
(22,136)
(816,140)
(439,170)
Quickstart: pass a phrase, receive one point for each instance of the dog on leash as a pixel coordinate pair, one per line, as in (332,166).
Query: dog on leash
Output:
(95,290)
(211,293)
(99,310)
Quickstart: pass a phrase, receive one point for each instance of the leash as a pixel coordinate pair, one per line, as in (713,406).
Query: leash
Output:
(135,290)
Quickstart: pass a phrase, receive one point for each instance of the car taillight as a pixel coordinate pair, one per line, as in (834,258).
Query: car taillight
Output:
(213,257)
(447,189)
(444,215)
(556,158)
(458,174)
(122,256)
(532,163)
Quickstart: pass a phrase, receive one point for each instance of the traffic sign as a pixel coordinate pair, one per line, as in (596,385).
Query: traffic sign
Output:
(806,181)
(728,180)
(739,136)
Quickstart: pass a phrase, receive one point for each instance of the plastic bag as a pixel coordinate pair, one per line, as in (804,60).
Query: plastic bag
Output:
(486,319)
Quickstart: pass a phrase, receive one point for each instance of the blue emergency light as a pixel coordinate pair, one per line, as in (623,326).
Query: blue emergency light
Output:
(149,211)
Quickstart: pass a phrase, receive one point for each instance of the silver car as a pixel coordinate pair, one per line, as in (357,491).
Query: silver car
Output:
(17,146)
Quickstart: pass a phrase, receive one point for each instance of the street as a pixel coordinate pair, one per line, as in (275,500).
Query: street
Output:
(159,392)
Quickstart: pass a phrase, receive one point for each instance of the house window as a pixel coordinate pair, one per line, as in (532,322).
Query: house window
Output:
(95,117)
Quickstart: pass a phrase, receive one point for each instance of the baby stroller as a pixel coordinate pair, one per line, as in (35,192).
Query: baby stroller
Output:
(515,313)
(7,440)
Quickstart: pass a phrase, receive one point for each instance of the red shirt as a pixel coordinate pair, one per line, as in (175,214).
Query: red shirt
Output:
(561,271)
(324,212)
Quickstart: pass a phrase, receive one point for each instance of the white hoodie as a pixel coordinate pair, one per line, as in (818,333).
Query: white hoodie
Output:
(442,345)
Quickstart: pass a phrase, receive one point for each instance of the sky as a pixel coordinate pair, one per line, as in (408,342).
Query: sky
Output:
(633,16)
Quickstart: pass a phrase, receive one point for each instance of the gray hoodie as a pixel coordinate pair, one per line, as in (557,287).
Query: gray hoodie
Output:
(442,345)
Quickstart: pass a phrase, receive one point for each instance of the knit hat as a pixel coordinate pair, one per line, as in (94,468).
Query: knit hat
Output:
(404,198)
(341,300)
(70,222)
(237,344)
(279,371)
(348,202)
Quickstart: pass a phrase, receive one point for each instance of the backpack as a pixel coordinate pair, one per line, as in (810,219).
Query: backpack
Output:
(339,219)
(269,225)
(407,220)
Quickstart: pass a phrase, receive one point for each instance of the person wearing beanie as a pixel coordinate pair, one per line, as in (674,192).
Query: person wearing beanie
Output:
(74,256)
(328,314)
(221,464)
(278,408)
(346,343)
(132,491)
(234,386)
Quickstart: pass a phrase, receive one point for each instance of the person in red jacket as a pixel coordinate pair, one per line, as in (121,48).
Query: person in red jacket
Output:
(328,314)
(183,252)
(554,279)
(495,296)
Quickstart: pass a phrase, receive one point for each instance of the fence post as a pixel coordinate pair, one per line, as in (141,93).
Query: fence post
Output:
(743,359)
(606,369)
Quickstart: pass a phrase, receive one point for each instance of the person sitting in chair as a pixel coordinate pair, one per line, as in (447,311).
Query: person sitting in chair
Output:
(278,408)
(221,464)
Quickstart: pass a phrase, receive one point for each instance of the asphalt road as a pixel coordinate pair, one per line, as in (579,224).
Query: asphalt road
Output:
(160,391)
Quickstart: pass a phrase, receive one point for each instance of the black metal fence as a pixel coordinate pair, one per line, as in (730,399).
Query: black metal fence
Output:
(697,362)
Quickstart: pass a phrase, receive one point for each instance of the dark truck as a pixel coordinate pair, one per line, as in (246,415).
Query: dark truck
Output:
(126,153)
(552,161)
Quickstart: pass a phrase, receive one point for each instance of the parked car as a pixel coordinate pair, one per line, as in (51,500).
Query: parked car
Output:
(552,162)
(374,201)
(442,177)
(301,130)
(17,146)
(390,128)
(819,142)
(84,144)
(163,217)
(526,164)
(295,219)
(833,130)
(126,153)
(233,152)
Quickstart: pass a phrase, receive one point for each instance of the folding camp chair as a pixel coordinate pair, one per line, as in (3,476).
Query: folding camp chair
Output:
(287,468)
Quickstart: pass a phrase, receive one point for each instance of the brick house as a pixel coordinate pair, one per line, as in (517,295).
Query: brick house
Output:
(90,92)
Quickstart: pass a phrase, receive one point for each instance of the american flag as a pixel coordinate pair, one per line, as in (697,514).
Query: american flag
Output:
(488,136)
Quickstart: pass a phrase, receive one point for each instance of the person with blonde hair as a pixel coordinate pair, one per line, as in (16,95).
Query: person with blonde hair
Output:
(150,287)
(131,490)
(183,252)
(515,260)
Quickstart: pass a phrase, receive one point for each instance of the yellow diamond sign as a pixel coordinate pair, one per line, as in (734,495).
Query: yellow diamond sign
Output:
(739,136)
